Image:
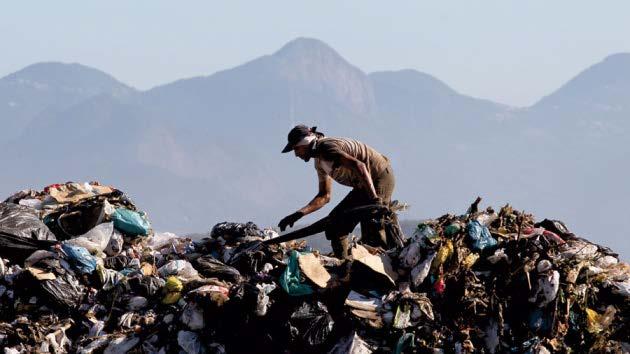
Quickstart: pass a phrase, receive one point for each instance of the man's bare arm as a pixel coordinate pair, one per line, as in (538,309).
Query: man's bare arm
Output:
(323,195)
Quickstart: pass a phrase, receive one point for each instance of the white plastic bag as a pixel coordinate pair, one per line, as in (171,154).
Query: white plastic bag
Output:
(121,345)
(137,303)
(179,268)
(95,240)
(161,240)
(420,272)
(192,316)
(410,255)
(115,245)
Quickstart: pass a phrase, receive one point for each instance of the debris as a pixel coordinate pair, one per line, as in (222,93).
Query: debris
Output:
(82,271)
(314,270)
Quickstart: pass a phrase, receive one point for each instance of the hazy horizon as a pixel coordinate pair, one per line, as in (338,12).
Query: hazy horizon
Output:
(505,51)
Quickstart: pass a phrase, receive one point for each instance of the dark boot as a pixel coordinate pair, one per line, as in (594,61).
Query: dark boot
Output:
(341,247)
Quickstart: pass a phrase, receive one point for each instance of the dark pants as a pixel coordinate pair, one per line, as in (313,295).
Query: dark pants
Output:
(370,234)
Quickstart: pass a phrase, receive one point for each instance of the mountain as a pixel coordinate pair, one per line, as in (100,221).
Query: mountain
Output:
(604,87)
(46,87)
(207,149)
(595,102)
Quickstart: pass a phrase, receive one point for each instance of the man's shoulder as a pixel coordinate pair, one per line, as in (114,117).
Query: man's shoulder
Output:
(328,144)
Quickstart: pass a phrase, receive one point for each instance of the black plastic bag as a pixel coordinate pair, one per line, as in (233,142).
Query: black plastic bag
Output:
(210,267)
(17,249)
(235,230)
(23,222)
(64,291)
(75,220)
(146,286)
(118,263)
(312,323)
(557,227)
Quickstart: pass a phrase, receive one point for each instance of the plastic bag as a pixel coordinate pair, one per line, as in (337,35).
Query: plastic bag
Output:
(406,340)
(291,280)
(76,220)
(80,258)
(410,255)
(161,240)
(419,273)
(234,230)
(425,235)
(109,278)
(596,322)
(31,203)
(137,303)
(121,345)
(131,222)
(23,222)
(402,319)
(180,268)
(192,316)
(353,344)
(115,245)
(452,230)
(63,291)
(190,342)
(547,289)
(262,305)
(17,248)
(313,323)
(479,236)
(210,267)
(95,240)
(172,290)
(147,286)
(443,254)
(96,344)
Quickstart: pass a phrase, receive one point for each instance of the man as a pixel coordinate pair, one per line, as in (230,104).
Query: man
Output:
(350,163)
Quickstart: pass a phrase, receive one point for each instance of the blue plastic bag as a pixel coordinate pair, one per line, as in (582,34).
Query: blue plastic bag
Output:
(290,279)
(80,258)
(131,222)
(539,321)
(479,236)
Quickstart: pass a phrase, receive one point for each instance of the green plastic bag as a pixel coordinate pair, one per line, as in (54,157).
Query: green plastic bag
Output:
(131,222)
(290,279)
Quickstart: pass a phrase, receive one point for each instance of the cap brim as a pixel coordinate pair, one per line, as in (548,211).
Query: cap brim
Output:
(287,148)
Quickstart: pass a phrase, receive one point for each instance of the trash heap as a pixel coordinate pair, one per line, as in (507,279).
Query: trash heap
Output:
(82,271)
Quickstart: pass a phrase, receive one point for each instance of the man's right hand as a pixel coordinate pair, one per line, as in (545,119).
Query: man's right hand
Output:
(290,220)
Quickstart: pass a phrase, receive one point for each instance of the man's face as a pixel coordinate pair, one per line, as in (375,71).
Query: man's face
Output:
(302,152)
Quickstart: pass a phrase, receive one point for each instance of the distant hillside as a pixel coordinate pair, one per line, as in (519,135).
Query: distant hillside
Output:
(50,87)
(207,149)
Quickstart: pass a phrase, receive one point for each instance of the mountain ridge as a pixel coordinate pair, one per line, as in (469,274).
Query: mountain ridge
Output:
(213,142)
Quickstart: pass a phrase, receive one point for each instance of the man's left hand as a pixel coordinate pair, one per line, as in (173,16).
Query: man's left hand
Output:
(290,220)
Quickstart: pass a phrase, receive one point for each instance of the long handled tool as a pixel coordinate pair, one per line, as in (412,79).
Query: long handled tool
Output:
(358,214)
(354,214)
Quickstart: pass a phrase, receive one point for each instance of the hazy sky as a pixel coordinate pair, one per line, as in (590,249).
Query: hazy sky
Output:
(509,51)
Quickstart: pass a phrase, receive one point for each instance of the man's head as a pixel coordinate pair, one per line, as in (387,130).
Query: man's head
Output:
(300,139)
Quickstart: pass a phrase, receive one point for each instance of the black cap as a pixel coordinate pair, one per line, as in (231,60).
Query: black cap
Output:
(296,135)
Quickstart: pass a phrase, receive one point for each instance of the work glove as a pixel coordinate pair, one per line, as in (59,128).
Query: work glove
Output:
(290,220)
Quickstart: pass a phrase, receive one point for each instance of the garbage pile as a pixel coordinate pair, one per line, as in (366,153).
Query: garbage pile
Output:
(82,271)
